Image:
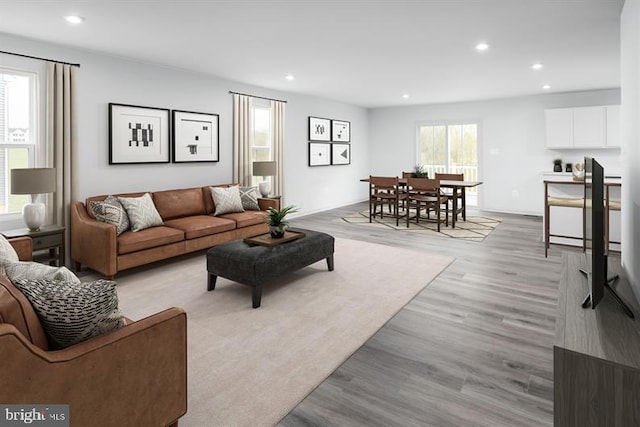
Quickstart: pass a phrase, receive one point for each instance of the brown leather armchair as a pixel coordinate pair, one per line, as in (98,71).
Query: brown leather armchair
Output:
(134,376)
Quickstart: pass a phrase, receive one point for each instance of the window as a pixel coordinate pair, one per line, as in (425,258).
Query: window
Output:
(18,132)
(261,149)
(450,148)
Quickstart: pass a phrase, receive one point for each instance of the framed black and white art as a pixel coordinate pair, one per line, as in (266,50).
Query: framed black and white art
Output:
(195,137)
(319,154)
(340,154)
(138,134)
(340,131)
(319,129)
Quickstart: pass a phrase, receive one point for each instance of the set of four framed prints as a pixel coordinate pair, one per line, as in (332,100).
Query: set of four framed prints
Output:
(329,142)
(142,135)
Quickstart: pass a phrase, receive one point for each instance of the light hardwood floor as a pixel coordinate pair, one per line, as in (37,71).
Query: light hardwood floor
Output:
(475,347)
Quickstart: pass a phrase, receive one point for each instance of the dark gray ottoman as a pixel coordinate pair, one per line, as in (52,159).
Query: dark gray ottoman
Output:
(257,265)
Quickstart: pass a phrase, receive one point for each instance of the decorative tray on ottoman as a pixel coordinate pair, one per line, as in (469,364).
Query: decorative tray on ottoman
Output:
(267,240)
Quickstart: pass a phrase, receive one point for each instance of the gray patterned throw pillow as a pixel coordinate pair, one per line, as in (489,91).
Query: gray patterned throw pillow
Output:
(249,198)
(7,253)
(73,312)
(141,211)
(226,200)
(110,210)
(23,270)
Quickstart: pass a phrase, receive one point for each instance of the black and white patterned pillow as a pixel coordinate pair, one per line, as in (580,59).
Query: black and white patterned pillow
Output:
(226,200)
(141,211)
(111,211)
(249,198)
(73,312)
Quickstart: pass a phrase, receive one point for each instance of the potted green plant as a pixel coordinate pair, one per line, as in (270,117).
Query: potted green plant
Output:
(419,172)
(557,165)
(277,222)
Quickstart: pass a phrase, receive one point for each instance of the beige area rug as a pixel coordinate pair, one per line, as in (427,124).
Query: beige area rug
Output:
(250,367)
(475,228)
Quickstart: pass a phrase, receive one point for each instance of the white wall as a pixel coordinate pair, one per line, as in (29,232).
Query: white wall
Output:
(104,79)
(512,153)
(630,135)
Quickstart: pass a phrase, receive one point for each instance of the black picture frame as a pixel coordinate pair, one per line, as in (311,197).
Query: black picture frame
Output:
(319,154)
(319,129)
(195,137)
(340,131)
(138,134)
(340,153)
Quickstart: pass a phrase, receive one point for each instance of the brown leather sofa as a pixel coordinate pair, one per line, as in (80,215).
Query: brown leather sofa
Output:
(134,376)
(189,225)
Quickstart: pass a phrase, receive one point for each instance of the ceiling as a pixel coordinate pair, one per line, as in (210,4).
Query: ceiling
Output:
(367,53)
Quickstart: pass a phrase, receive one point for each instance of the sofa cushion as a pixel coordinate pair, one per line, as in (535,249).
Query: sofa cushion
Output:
(141,211)
(7,253)
(148,238)
(226,200)
(247,218)
(179,203)
(249,198)
(73,312)
(201,225)
(16,310)
(111,211)
(34,270)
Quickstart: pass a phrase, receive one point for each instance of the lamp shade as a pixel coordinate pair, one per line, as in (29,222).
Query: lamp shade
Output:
(265,168)
(33,181)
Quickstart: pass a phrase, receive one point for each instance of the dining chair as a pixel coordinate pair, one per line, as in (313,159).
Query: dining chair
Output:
(453,193)
(385,190)
(425,193)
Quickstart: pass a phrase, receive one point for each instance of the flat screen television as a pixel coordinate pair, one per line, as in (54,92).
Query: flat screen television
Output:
(594,238)
(595,258)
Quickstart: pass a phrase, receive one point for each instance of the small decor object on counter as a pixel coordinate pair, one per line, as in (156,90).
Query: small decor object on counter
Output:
(419,172)
(578,172)
(557,165)
(277,222)
(568,168)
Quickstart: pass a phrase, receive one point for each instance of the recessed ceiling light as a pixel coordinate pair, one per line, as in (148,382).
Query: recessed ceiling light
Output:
(405,96)
(289,77)
(482,46)
(74,19)
(546,87)
(537,66)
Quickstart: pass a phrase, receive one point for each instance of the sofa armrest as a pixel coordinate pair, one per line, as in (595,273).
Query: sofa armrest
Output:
(23,247)
(136,375)
(93,243)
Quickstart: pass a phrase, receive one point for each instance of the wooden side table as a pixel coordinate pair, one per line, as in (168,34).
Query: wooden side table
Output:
(269,202)
(48,243)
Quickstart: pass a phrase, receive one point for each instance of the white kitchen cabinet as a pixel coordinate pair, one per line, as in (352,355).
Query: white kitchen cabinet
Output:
(559,127)
(613,125)
(583,127)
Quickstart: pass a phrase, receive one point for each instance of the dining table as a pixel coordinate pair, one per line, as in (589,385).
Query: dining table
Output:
(455,186)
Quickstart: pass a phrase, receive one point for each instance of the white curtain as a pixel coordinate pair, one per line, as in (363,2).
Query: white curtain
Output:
(242,139)
(277,141)
(61,140)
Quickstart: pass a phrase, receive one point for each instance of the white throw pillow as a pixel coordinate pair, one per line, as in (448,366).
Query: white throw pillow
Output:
(23,270)
(7,253)
(141,211)
(226,200)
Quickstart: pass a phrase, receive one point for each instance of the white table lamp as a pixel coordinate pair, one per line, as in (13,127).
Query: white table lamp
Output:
(265,169)
(33,181)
